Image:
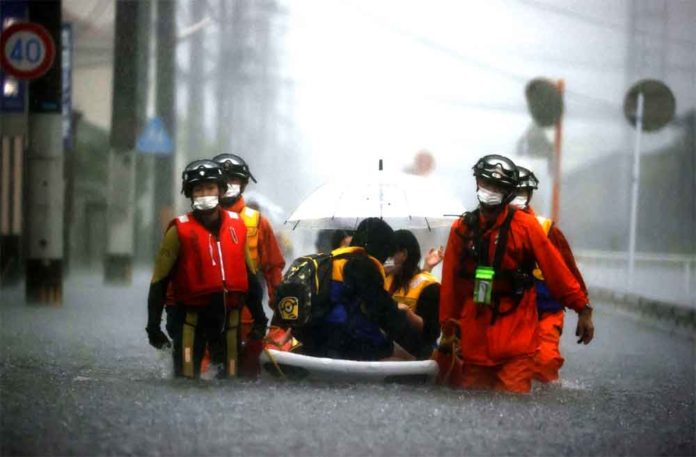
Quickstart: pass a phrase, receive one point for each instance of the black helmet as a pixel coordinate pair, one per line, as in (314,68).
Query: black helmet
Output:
(233,165)
(527,180)
(199,171)
(498,169)
(376,236)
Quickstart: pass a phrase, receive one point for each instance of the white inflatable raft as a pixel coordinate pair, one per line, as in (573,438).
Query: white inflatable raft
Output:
(297,366)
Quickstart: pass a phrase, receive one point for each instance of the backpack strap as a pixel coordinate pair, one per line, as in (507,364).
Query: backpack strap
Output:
(502,240)
(500,245)
(472,234)
(500,248)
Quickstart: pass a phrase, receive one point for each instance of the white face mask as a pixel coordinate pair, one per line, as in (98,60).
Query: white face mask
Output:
(519,202)
(489,197)
(233,191)
(205,203)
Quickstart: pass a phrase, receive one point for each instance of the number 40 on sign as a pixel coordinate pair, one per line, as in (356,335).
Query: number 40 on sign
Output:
(28,50)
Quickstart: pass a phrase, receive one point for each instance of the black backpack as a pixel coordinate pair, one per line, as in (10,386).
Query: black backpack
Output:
(304,294)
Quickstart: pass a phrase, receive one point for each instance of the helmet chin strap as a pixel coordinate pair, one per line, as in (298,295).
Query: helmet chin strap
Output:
(491,209)
(205,212)
(510,196)
(229,201)
(206,216)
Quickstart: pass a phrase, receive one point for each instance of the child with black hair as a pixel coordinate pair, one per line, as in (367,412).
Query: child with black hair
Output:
(416,290)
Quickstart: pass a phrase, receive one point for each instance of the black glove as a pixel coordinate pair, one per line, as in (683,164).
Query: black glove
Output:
(157,338)
(155,305)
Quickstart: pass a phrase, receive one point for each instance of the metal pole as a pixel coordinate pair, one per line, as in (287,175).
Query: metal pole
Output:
(165,103)
(144,175)
(118,261)
(13,134)
(226,78)
(196,94)
(687,277)
(635,181)
(557,149)
(45,184)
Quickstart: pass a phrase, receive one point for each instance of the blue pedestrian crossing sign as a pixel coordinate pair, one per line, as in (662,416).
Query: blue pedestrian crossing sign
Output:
(154,139)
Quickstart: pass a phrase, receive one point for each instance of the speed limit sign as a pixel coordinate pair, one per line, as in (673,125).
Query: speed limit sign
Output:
(27,50)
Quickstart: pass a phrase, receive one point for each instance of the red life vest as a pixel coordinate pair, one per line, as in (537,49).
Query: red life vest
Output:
(207,264)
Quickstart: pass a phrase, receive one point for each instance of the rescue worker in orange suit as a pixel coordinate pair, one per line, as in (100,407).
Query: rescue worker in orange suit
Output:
(203,255)
(362,322)
(548,359)
(266,256)
(416,291)
(487,285)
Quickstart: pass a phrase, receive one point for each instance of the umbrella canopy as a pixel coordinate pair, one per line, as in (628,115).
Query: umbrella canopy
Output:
(402,200)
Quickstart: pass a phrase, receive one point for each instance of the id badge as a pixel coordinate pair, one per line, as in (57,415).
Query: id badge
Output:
(483,285)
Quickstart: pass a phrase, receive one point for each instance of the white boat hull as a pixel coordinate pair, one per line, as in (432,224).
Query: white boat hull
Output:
(298,366)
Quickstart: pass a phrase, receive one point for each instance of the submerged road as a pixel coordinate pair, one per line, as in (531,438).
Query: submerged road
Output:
(81,380)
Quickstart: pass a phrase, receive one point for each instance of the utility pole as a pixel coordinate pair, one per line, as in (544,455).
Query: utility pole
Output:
(225,78)
(144,185)
(166,109)
(124,125)
(195,78)
(45,182)
(13,133)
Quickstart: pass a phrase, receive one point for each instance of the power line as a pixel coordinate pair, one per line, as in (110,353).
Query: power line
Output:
(596,22)
(457,55)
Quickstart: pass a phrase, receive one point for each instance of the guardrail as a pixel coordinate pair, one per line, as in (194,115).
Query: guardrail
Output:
(667,277)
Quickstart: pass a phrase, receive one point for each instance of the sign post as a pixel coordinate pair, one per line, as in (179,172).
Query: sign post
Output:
(557,150)
(545,104)
(649,105)
(13,133)
(635,184)
(28,52)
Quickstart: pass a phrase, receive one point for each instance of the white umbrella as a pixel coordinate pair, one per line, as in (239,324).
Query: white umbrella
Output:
(402,200)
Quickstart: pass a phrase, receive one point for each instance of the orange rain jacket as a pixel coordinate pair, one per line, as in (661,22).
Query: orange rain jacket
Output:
(271,261)
(515,334)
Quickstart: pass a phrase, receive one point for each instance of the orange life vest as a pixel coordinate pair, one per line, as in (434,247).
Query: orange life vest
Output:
(207,264)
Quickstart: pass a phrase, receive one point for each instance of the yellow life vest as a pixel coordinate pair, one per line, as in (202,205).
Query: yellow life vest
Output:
(338,264)
(546,224)
(251,219)
(415,287)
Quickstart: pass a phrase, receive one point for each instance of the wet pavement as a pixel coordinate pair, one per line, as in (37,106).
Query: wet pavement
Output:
(81,380)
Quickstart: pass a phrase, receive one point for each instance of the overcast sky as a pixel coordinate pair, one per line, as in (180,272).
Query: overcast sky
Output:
(385,78)
(390,77)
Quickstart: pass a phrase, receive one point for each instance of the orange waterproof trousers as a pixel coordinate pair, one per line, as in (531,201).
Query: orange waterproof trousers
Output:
(512,376)
(548,359)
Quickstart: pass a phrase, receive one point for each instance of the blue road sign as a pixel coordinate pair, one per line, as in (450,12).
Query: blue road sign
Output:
(154,139)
